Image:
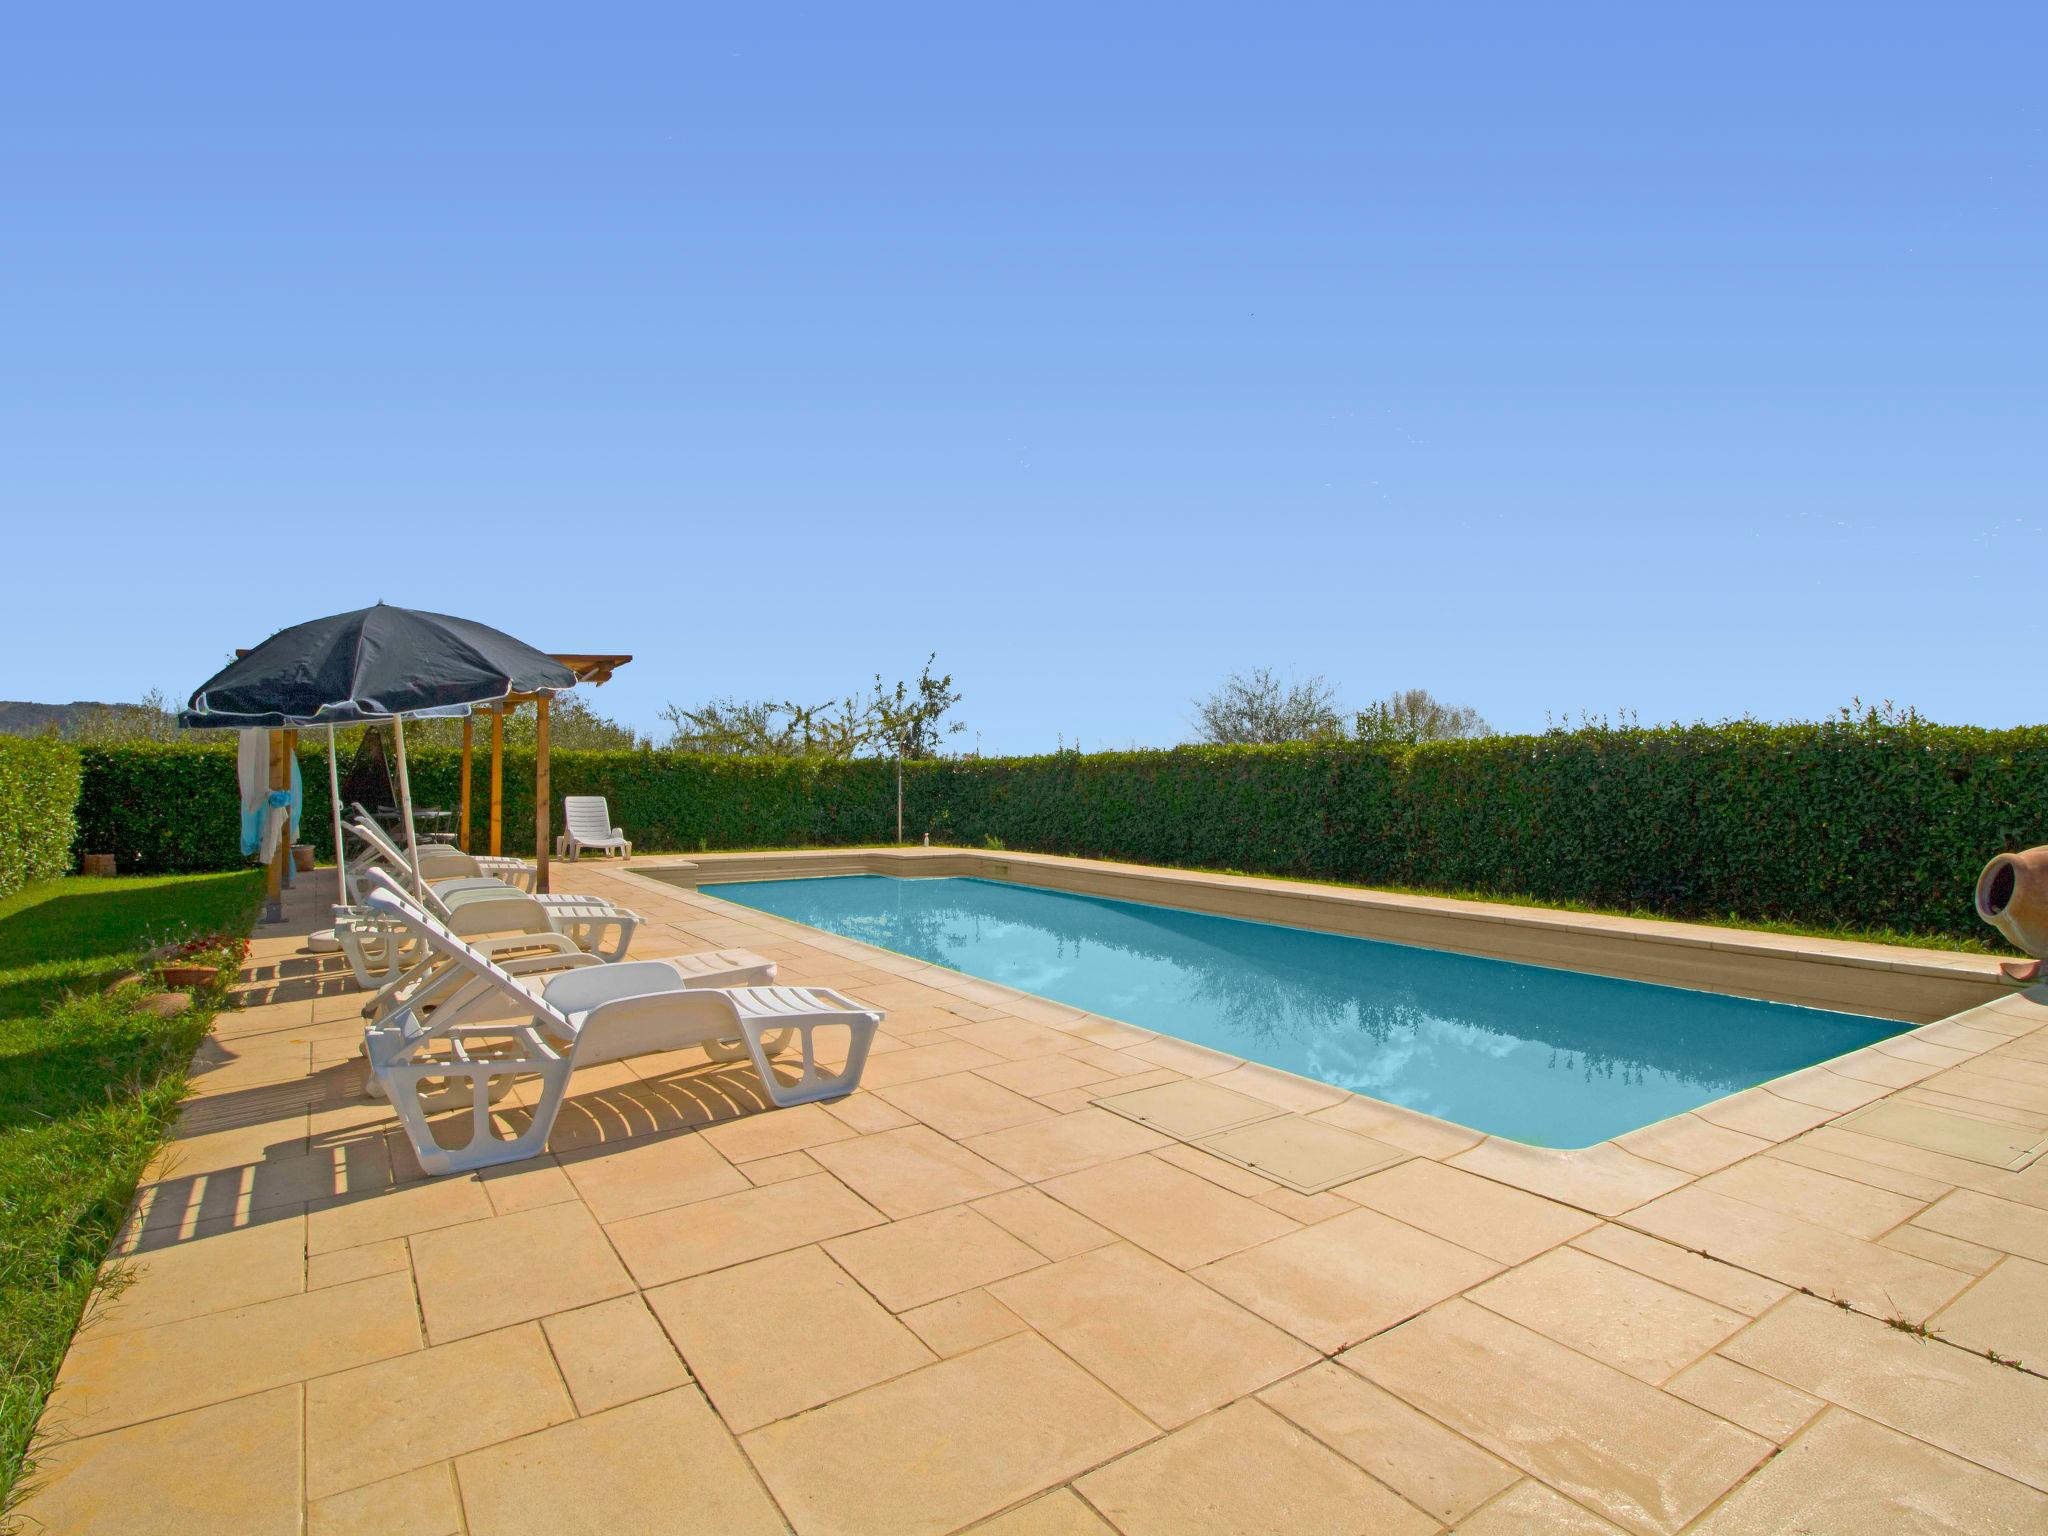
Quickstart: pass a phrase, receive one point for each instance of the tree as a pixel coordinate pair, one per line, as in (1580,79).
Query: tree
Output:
(574,725)
(113,724)
(1411,715)
(1256,709)
(903,722)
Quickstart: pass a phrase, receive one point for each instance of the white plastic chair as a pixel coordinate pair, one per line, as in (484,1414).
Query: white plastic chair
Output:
(593,1014)
(437,861)
(588,821)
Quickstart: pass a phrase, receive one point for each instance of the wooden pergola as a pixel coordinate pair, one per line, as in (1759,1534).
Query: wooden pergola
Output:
(591,669)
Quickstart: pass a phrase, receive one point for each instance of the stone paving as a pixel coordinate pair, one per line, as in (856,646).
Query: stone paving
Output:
(970,1298)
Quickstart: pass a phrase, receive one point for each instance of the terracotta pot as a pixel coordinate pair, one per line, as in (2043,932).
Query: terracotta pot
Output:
(190,976)
(2012,896)
(302,858)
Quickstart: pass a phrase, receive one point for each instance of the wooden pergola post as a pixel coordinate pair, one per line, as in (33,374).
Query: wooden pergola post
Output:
(497,779)
(468,732)
(541,793)
(280,778)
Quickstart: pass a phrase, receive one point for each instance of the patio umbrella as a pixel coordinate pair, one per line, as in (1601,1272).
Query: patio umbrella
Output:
(373,665)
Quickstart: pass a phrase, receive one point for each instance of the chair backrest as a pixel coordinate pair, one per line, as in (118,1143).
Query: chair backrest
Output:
(587,816)
(383,880)
(393,902)
(373,835)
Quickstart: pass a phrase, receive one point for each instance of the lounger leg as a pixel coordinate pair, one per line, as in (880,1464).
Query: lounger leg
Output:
(485,1147)
(811,1084)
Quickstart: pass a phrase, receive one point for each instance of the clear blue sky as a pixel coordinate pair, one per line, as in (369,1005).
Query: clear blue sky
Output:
(1688,359)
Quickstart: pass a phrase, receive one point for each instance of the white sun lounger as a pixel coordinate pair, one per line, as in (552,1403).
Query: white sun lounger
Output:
(437,861)
(580,1018)
(588,821)
(429,978)
(483,905)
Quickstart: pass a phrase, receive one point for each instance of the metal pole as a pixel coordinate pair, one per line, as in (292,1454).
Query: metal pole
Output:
(334,805)
(412,846)
(899,797)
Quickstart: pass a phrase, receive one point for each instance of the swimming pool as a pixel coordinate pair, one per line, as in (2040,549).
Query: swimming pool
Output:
(1553,1057)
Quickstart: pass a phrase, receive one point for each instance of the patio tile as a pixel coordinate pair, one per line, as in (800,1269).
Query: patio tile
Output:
(422,1502)
(612,1353)
(1245,1470)
(1347,1278)
(779,1335)
(1289,1091)
(1183,1219)
(1848,1474)
(1433,1469)
(911,1170)
(2007,1311)
(213,1271)
(523,1186)
(1424,1135)
(781,1168)
(1938,1248)
(380,1420)
(1059,1513)
(1053,1229)
(1117,1063)
(1746,1397)
(1985,1413)
(1708,1278)
(1067,1143)
(933,1450)
(484,1275)
(663,1464)
(1990,1142)
(396,1212)
(1529,1507)
(1807,1153)
(923,1258)
(1828,1199)
(1013,1038)
(964,1104)
(1632,1322)
(1040,1075)
(233,1466)
(1189,1110)
(1303,1154)
(651,1174)
(1184,1056)
(1826,1090)
(731,1229)
(775,1131)
(866,1113)
(956,1324)
(1830,1263)
(1604,1179)
(1644,1460)
(1989,1222)
(1166,1344)
(390,1257)
(1505,1224)
(123,1378)
(922,1061)
(1306,1209)
(1759,1112)
(1238,1180)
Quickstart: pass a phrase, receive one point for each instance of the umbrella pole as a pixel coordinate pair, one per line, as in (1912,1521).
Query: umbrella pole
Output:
(412,846)
(334,805)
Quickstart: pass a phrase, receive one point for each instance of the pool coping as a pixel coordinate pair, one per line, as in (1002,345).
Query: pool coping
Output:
(1607,1178)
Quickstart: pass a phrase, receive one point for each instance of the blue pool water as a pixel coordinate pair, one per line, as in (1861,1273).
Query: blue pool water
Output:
(1557,1058)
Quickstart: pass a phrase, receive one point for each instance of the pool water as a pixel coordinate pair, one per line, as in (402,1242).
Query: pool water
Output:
(1553,1057)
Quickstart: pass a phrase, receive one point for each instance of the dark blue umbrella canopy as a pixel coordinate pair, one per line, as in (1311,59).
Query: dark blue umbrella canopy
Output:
(371,665)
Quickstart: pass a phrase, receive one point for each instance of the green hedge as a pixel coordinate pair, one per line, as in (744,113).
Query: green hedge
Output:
(1845,825)
(38,803)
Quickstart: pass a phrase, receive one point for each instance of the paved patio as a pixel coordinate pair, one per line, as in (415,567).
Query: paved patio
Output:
(969,1297)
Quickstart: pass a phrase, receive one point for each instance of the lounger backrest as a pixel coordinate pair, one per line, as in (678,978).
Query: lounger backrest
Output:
(373,834)
(587,817)
(382,880)
(397,904)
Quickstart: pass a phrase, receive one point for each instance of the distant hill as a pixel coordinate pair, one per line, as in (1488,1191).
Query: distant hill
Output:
(18,717)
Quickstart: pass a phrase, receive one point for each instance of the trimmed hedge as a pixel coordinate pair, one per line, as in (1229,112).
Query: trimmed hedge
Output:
(38,800)
(1855,824)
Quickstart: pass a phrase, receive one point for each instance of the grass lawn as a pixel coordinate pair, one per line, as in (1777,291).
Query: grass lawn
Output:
(89,1083)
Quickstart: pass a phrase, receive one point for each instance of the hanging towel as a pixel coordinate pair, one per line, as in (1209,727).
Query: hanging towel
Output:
(265,811)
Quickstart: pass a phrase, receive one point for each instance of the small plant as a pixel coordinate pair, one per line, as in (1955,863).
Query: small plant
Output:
(1917,1330)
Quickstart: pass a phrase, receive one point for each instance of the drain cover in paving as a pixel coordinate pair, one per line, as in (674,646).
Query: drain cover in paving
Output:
(1190,1109)
(1305,1155)
(1943,1130)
